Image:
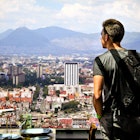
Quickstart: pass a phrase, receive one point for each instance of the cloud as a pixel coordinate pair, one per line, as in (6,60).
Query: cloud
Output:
(79,15)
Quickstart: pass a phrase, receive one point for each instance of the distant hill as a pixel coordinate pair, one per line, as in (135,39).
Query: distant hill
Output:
(5,34)
(57,41)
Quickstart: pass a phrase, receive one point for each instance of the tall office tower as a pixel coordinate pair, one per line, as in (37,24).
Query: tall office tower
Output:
(20,78)
(39,71)
(10,70)
(14,70)
(71,74)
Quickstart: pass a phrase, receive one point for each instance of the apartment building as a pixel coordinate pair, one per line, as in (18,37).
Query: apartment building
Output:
(71,74)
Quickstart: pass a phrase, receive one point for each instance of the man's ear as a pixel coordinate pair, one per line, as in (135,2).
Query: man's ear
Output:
(106,37)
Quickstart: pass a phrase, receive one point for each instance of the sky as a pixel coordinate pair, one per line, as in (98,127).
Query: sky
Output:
(84,16)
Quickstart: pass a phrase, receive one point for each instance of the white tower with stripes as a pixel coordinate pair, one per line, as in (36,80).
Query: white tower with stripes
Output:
(71,74)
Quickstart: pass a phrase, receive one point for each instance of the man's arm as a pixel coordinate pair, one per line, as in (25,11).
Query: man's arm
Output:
(97,96)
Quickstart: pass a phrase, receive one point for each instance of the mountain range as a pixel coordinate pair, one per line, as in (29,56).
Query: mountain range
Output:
(57,41)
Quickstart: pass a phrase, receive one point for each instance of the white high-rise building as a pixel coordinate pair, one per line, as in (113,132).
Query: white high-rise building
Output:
(39,71)
(71,74)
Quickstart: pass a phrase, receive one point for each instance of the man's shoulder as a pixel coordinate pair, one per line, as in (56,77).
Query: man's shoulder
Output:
(104,55)
(107,54)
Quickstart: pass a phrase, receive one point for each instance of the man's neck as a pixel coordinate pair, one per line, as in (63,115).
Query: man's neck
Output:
(116,46)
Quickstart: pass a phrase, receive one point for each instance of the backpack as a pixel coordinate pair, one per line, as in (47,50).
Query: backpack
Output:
(128,98)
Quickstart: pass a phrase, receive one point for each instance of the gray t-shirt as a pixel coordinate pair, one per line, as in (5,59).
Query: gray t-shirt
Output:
(111,76)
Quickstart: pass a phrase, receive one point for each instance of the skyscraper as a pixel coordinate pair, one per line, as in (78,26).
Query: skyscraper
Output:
(39,71)
(71,74)
(16,74)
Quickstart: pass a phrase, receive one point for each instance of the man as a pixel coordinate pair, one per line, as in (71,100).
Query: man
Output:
(107,82)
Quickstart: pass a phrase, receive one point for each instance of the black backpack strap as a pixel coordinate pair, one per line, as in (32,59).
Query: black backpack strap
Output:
(122,65)
(100,65)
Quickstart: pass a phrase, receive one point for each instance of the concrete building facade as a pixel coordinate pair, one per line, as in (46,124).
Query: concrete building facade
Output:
(71,74)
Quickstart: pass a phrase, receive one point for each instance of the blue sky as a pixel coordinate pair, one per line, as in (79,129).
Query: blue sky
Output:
(79,15)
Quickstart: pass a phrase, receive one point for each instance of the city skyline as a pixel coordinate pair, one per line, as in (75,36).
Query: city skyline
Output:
(79,15)
(69,105)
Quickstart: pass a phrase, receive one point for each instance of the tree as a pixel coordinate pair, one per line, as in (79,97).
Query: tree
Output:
(36,93)
(45,91)
(70,107)
(30,78)
(57,93)
(82,80)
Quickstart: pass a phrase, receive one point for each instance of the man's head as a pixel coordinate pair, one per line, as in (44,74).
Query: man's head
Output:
(114,29)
